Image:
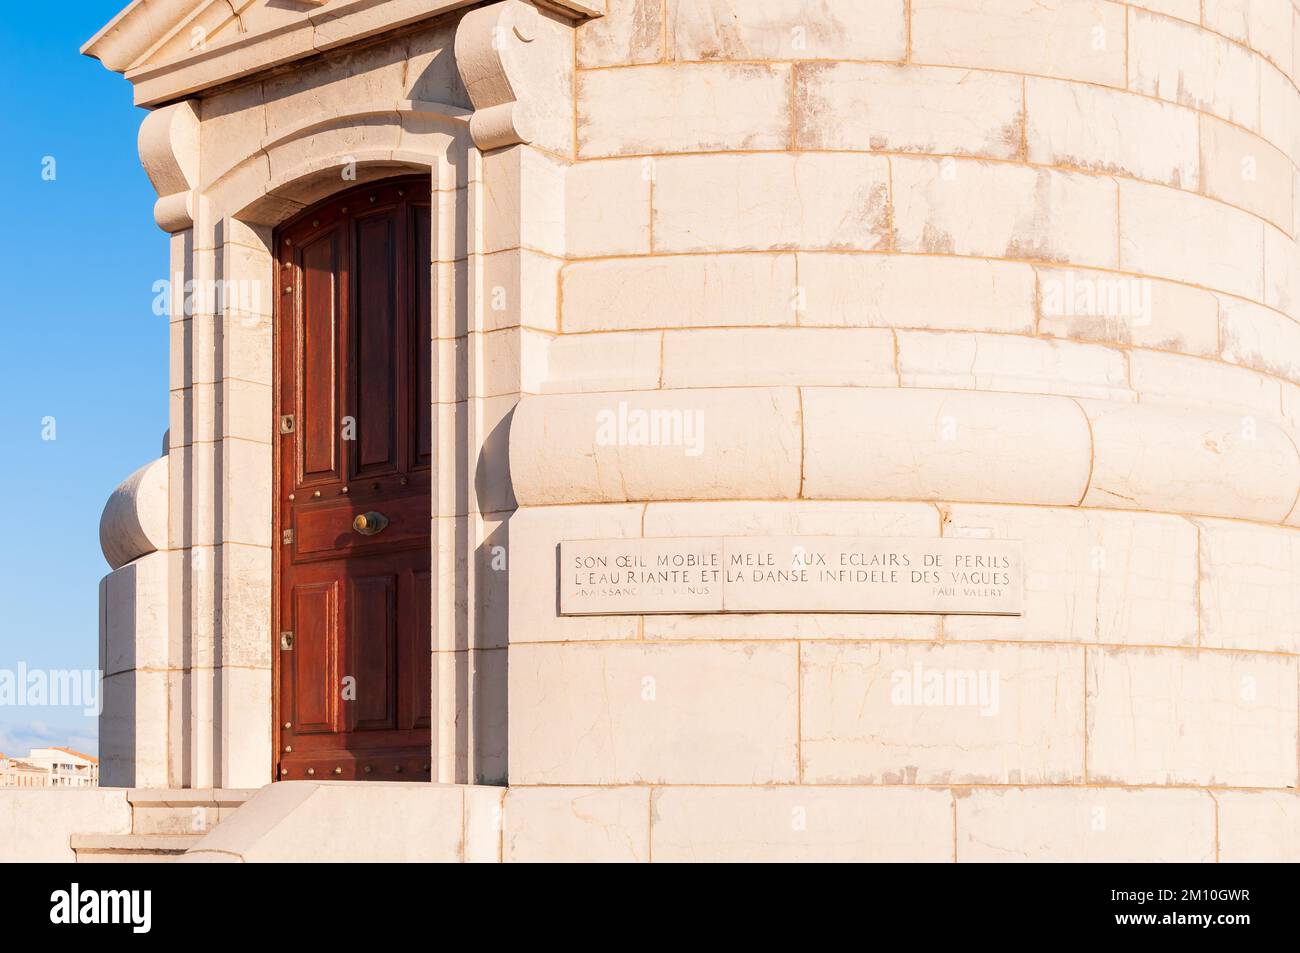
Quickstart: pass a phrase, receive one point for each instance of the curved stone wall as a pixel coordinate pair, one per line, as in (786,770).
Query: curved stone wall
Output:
(134,521)
(989,268)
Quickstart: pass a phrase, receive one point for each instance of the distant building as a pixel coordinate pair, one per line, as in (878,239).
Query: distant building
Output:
(22,774)
(50,767)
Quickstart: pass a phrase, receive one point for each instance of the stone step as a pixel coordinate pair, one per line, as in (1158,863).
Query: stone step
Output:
(131,848)
(183,810)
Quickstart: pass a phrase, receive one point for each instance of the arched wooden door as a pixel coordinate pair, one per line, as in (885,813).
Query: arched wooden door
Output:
(352,628)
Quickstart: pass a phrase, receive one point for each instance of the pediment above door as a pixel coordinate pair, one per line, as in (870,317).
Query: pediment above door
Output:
(172,49)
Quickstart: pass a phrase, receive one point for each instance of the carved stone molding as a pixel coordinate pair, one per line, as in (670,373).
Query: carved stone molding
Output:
(516,66)
(169,152)
(142,41)
(134,521)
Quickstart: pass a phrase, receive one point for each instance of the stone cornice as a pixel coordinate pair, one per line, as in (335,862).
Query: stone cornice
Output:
(124,45)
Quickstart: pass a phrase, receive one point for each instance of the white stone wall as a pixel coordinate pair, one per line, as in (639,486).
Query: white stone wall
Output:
(857,237)
(841,232)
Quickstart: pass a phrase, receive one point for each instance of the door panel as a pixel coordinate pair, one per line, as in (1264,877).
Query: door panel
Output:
(353,363)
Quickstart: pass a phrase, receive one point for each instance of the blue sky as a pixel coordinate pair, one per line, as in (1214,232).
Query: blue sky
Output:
(80,343)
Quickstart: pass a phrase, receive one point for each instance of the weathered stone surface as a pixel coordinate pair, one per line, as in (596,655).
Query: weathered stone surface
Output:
(874,713)
(923,445)
(1072,39)
(1171,716)
(870,107)
(1143,825)
(683,108)
(735,825)
(661,719)
(998,210)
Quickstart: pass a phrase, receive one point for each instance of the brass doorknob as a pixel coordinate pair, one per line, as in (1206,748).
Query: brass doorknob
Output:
(368,524)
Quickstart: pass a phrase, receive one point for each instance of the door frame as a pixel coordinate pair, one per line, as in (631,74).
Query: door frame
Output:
(278,328)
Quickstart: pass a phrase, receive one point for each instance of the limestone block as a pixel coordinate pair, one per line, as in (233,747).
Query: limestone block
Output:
(1258,826)
(331,149)
(1072,39)
(577,825)
(943,445)
(1279,111)
(133,613)
(245,732)
(232,126)
(1281,273)
(246,611)
(535,535)
(249,348)
(1090,575)
(921,291)
(1173,379)
(1263,25)
(339,85)
(666,714)
(133,729)
(764,202)
(134,521)
(1247,597)
(608,207)
(247,480)
(1004,362)
(576,363)
(484,810)
(1085,824)
(764,357)
(1189,10)
(1171,716)
(679,291)
(631,31)
(880,713)
(1244,170)
(36,823)
(787,824)
(966,207)
(642,110)
(512,179)
(791,518)
(391,822)
(1260,338)
(1183,63)
(786,30)
(431,74)
(520,288)
(869,107)
(1102,130)
(1190,461)
(736,443)
(1171,234)
(469,701)
(1123,309)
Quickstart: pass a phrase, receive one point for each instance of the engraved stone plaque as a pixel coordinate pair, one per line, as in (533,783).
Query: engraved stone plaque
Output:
(791,574)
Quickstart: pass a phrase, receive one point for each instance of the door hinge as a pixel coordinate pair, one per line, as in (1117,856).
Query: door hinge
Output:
(286,641)
(286,423)
(286,537)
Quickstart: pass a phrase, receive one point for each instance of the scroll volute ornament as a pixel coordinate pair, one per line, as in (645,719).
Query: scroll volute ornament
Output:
(515,71)
(169,151)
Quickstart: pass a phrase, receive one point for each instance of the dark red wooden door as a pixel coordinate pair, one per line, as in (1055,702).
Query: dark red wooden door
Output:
(355,446)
